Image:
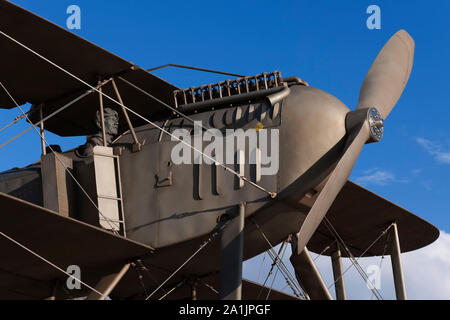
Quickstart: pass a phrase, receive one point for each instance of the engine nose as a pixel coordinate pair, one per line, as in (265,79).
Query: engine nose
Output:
(313,122)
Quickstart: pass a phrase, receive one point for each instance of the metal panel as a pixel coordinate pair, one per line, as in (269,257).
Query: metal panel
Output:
(57,184)
(106,185)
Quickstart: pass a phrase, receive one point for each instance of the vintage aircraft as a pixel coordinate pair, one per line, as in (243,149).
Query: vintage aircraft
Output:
(140,226)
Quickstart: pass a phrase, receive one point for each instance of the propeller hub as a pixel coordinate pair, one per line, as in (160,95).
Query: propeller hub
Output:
(376,124)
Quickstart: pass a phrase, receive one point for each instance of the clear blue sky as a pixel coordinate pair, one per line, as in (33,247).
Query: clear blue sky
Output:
(326,43)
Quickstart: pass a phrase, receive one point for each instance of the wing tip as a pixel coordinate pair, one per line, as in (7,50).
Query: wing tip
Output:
(403,35)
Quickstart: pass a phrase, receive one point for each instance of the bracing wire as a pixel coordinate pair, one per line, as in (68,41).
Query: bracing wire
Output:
(59,159)
(276,272)
(261,266)
(381,261)
(270,271)
(202,246)
(289,278)
(355,261)
(171,290)
(271,194)
(50,263)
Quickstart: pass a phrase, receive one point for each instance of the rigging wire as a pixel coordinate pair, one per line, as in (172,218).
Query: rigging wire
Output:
(196,69)
(50,263)
(356,260)
(162,103)
(46,118)
(140,278)
(276,272)
(271,194)
(218,228)
(171,290)
(146,268)
(324,250)
(270,271)
(284,270)
(209,286)
(381,261)
(59,159)
(261,266)
(16,119)
(353,260)
(288,277)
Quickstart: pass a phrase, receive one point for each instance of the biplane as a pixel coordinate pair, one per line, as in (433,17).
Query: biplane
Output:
(140,226)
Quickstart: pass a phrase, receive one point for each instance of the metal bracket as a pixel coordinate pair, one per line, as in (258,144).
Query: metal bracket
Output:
(167,181)
(136,147)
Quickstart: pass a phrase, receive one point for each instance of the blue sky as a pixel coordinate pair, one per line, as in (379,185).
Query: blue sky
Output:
(326,43)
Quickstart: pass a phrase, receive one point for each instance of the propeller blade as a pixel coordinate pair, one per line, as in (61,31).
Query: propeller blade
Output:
(357,138)
(388,75)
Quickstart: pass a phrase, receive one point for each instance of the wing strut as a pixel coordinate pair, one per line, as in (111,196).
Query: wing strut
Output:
(107,284)
(231,257)
(397,269)
(338,275)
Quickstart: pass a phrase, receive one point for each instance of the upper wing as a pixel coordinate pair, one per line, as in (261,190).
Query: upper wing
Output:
(61,240)
(29,78)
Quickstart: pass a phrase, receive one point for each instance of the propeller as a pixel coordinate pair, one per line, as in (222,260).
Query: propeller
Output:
(380,91)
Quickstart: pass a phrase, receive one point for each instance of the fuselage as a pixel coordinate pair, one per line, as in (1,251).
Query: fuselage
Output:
(173,206)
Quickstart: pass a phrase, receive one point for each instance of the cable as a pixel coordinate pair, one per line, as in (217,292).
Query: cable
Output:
(288,277)
(197,69)
(202,246)
(140,278)
(271,194)
(276,273)
(351,255)
(57,157)
(46,118)
(353,260)
(324,250)
(284,270)
(179,268)
(270,271)
(161,102)
(16,119)
(170,291)
(146,268)
(209,286)
(261,266)
(49,262)
(381,261)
